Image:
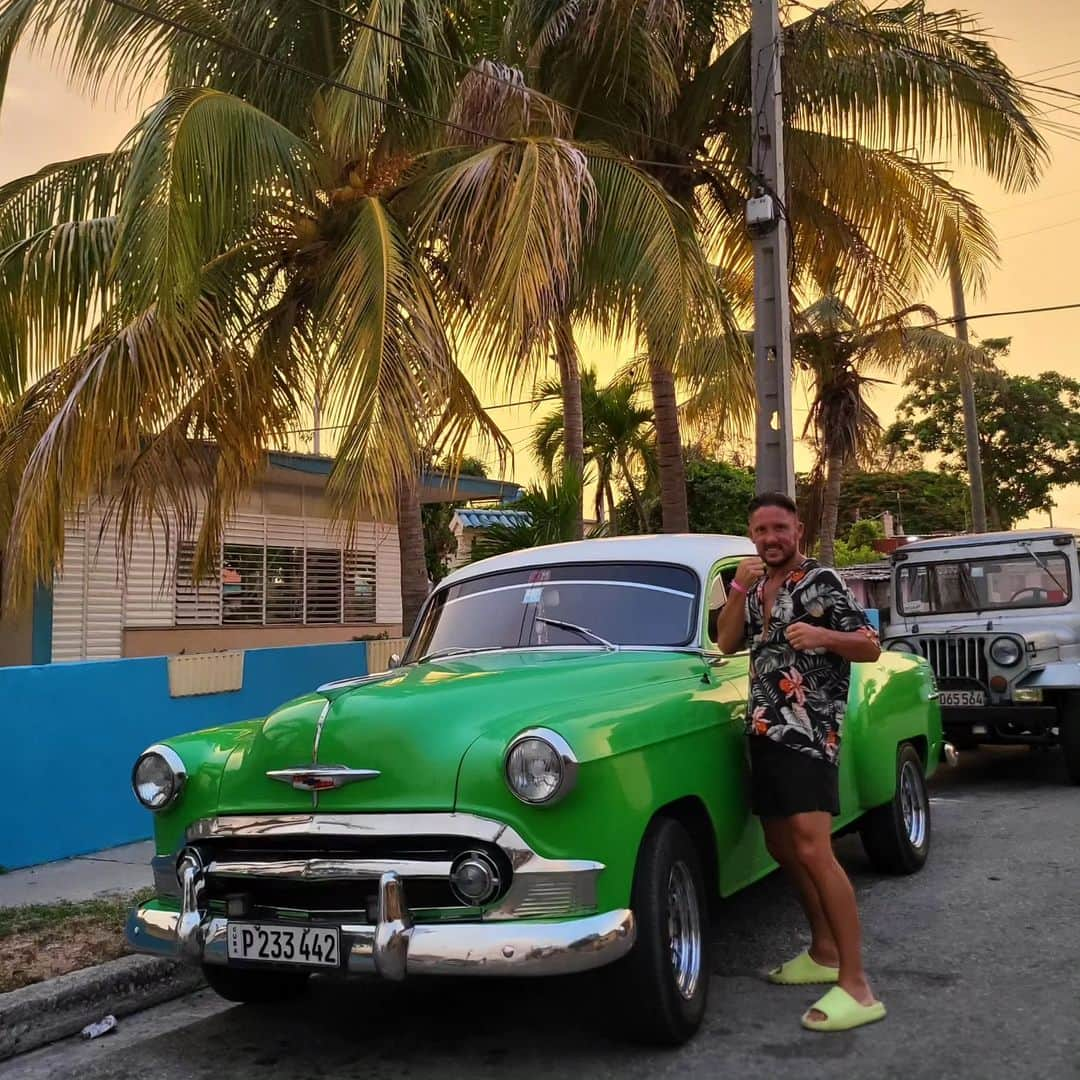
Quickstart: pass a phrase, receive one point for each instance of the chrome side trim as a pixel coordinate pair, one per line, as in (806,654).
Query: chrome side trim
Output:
(569,885)
(329,869)
(317,778)
(319,725)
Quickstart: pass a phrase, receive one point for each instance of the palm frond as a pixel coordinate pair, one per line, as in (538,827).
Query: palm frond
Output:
(196,151)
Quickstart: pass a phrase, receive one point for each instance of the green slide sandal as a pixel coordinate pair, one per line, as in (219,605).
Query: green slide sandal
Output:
(842,1012)
(804,970)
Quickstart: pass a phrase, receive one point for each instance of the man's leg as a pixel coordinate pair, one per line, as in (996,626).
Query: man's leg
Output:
(779,841)
(812,845)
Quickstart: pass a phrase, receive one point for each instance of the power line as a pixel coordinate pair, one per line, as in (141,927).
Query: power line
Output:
(465,66)
(1000,315)
(1043,228)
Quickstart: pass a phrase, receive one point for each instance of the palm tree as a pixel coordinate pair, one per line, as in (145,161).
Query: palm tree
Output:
(872,92)
(617,440)
(167,307)
(836,352)
(549,515)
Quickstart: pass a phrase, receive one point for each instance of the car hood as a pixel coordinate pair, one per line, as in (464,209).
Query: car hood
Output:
(412,726)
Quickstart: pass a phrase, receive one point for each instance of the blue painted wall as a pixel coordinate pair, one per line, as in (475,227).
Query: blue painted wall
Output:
(71,733)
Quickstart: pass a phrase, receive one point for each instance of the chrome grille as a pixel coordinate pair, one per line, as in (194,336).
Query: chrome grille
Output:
(956,657)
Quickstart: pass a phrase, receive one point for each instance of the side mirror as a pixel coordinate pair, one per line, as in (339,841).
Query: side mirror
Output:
(395,661)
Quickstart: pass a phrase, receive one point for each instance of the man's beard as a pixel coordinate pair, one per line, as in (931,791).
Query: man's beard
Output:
(777,556)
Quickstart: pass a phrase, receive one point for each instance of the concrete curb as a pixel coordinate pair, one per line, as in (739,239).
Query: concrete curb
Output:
(39,1014)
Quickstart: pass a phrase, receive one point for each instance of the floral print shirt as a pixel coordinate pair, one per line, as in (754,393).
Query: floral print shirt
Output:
(797,698)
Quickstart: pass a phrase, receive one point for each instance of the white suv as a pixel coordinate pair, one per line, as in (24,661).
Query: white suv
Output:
(997,616)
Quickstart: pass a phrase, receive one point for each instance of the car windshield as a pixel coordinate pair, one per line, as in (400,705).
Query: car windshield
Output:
(579,604)
(991,584)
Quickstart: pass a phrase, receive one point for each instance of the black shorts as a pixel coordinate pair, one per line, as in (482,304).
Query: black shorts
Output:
(784,782)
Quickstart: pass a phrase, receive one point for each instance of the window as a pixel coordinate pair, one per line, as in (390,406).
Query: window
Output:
(623,603)
(991,584)
(268,584)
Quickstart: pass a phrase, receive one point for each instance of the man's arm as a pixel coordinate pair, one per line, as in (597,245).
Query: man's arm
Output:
(731,626)
(859,646)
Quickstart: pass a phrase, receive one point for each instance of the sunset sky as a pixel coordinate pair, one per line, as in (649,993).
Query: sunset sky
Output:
(42,120)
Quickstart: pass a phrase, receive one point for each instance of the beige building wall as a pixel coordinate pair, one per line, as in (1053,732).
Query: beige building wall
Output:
(17,637)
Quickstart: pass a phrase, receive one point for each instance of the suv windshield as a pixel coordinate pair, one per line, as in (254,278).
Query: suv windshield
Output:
(992,584)
(620,603)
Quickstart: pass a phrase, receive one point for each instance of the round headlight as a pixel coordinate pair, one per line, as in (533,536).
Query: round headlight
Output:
(1006,651)
(540,766)
(901,645)
(158,777)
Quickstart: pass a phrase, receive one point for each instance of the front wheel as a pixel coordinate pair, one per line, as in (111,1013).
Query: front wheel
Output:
(662,986)
(250,986)
(1069,722)
(896,836)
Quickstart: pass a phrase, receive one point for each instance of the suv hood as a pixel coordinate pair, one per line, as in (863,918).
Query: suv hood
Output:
(413,725)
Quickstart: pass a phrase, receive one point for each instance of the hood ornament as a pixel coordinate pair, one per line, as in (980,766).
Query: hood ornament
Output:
(321,777)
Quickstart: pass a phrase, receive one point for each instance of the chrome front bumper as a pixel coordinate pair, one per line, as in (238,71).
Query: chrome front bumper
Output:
(395,946)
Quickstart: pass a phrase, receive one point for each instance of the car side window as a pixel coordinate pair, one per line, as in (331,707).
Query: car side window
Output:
(719,586)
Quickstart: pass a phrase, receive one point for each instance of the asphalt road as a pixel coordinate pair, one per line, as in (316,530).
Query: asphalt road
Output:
(977,959)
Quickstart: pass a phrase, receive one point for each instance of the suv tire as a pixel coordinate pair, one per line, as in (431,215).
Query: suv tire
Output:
(1069,721)
(896,836)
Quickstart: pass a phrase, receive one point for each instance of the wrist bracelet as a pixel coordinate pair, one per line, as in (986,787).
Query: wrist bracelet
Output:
(739,588)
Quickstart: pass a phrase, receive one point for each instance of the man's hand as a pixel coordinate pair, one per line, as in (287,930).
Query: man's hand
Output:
(749,572)
(805,638)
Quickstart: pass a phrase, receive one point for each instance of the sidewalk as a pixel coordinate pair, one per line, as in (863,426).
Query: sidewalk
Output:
(114,870)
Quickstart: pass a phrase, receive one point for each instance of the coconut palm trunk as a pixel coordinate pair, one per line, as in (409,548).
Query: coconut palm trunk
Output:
(830,508)
(414,579)
(566,356)
(672,470)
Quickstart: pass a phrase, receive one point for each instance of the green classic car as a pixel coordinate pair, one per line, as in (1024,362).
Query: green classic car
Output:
(552,779)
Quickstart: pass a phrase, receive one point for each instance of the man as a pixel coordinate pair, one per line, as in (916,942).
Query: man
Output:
(804,630)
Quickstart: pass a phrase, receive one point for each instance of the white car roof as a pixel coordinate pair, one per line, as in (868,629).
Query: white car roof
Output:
(698,551)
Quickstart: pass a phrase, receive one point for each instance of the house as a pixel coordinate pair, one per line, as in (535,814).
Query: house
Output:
(469,523)
(287,577)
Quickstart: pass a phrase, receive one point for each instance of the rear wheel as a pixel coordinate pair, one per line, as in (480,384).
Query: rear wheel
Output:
(1069,722)
(662,986)
(896,836)
(244,985)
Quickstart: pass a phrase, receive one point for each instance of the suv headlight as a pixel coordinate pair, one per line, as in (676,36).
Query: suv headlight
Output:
(158,777)
(900,645)
(1006,651)
(540,767)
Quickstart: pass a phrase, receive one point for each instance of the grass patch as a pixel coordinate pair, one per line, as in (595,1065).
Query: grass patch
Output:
(38,941)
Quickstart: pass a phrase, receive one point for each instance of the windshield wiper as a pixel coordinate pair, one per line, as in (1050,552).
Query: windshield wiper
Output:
(1041,563)
(584,631)
(456,650)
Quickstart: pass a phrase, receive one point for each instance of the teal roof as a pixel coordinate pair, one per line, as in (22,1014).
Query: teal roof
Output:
(459,487)
(484,519)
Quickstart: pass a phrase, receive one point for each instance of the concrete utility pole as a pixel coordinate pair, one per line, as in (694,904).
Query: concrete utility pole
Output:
(967,396)
(775,444)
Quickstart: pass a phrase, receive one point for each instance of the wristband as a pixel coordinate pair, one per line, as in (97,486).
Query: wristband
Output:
(739,588)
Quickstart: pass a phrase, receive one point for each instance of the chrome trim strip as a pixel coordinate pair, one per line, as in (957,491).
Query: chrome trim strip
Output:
(329,869)
(319,725)
(317,778)
(526,949)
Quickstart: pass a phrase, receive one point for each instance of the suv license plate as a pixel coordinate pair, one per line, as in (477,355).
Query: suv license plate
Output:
(312,946)
(964,699)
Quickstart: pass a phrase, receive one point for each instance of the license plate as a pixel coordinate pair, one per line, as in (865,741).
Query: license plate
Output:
(964,699)
(312,946)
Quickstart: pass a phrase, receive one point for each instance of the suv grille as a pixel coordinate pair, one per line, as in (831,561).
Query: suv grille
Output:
(956,657)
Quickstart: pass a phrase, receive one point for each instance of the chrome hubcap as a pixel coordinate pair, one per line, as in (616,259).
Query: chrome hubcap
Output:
(913,804)
(684,930)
